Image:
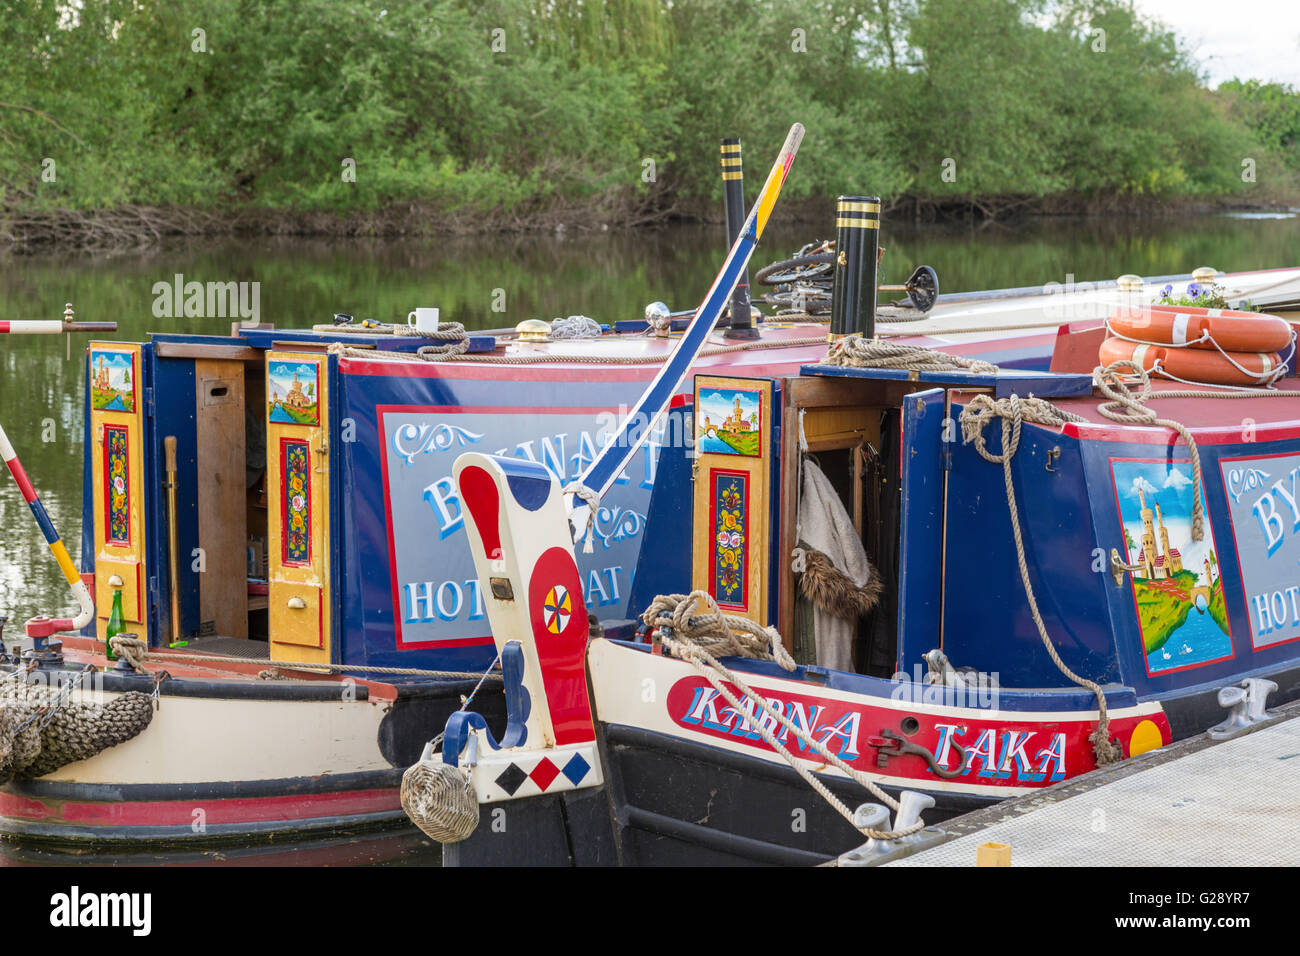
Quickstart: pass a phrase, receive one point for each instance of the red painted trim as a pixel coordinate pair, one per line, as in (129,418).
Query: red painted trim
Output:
(1216,435)
(509,373)
(4,326)
(746,478)
(1236,552)
(218,812)
(108,487)
(1209,526)
(20,476)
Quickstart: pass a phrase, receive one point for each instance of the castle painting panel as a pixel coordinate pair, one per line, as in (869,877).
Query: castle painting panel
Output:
(1181,610)
(292,393)
(112,380)
(729,421)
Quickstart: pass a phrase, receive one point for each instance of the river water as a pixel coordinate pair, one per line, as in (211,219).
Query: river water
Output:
(486,282)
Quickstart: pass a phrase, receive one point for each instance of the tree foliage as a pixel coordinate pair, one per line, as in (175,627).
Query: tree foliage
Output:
(512,106)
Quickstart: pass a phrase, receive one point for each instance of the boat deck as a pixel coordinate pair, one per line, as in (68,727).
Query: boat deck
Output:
(1197,413)
(1195,803)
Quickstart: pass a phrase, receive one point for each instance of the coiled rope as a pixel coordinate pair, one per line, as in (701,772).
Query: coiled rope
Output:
(858,352)
(698,637)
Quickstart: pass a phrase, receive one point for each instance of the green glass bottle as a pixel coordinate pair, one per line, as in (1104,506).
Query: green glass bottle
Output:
(115,624)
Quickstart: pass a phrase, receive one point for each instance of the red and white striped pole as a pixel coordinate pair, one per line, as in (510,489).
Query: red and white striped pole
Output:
(42,627)
(53,326)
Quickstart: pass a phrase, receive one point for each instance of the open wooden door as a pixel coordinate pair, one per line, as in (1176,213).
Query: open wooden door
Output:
(732,482)
(297,449)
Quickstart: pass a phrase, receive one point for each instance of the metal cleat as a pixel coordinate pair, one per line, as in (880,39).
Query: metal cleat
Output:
(910,806)
(874,816)
(1247,706)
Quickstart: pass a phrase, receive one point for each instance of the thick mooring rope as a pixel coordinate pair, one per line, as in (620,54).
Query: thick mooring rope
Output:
(734,636)
(697,619)
(1012,411)
(859,352)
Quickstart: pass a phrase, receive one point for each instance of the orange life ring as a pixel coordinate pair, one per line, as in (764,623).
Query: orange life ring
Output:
(1183,326)
(1194,365)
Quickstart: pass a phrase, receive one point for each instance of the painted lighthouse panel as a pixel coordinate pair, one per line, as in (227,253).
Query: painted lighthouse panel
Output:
(292,393)
(729,421)
(1181,610)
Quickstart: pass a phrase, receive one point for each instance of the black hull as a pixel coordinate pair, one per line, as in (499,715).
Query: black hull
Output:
(672,802)
(710,808)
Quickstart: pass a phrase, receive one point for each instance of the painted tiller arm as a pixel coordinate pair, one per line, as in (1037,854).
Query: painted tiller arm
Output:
(632,434)
(518,533)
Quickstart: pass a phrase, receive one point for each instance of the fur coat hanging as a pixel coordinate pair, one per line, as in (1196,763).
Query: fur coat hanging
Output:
(835,573)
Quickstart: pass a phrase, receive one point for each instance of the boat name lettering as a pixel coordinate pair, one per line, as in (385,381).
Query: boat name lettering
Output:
(424,602)
(995,754)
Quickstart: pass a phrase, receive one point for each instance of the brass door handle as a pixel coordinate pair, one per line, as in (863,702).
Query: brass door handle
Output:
(297,603)
(1118,568)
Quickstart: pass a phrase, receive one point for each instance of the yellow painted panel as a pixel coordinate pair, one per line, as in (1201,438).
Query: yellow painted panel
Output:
(115,386)
(735,413)
(132,588)
(297,616)
(297,411)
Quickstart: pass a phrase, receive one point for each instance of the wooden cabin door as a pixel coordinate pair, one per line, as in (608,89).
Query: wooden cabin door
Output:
(732,494)
(297,450)
(117,420)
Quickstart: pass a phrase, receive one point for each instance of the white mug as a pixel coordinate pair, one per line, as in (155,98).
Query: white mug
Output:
(425,320)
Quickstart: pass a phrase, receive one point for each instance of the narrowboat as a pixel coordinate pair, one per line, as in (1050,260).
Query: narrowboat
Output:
(277,513)
(877,593)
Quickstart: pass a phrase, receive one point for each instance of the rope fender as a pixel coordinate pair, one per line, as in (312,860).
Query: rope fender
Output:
(41,731)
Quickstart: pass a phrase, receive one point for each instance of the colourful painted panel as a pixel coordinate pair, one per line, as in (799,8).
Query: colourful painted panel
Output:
(1181,610)
(730,524)
(117,490)
(293,392)
(729,421)
(295,513)
(112,380)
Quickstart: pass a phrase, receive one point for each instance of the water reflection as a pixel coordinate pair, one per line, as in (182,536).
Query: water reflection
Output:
(486,282)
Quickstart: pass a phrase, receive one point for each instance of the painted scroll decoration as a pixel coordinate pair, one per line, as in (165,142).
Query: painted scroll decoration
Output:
(117,491)
(730,532)
(1178,589)
(296,510)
